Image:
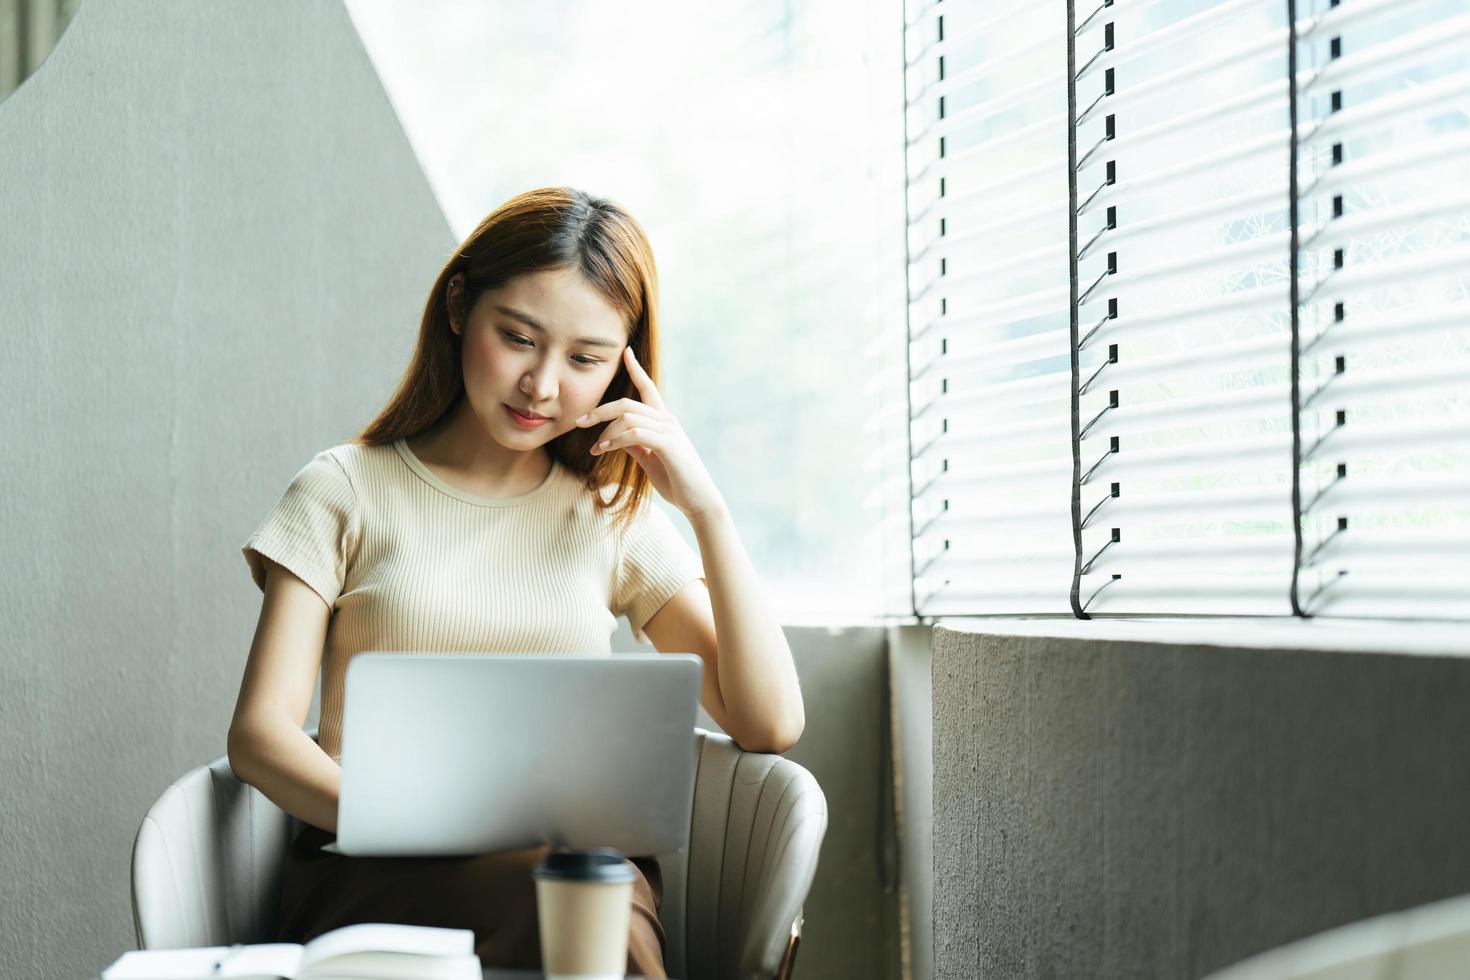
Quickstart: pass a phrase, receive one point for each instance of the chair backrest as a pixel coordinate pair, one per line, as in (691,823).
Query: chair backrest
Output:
(208,862)
(209,857)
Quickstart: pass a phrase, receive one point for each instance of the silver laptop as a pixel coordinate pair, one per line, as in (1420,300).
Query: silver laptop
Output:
(458,754)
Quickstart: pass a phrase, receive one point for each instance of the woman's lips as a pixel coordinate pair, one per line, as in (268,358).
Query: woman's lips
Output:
(523,421)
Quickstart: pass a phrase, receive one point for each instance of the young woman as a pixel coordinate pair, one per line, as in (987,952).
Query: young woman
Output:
(500,503)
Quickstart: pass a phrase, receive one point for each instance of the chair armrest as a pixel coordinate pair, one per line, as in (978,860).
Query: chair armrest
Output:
(785,837)
(757,828)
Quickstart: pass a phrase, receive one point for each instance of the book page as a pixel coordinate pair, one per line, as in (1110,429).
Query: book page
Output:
(262,960)
(160,964)
(389,937)
(268,960)
(378,965)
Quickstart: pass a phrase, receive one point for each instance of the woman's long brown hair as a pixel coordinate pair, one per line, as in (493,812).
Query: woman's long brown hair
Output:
(543,229)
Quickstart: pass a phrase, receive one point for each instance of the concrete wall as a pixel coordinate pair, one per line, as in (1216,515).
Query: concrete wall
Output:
(1134,807)
(214,242)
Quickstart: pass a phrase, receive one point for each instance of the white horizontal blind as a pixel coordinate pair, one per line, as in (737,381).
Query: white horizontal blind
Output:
(986,122)
(1183,313)
(1385,367)
(1184,407)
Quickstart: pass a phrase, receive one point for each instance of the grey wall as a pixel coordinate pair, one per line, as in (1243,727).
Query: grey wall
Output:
(852,926)
(1128,808)
(911,668)
(214,242)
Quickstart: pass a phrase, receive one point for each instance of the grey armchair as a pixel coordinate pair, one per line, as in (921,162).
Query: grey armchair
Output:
(210,853)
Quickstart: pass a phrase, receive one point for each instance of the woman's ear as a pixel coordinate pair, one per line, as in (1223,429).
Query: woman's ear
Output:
(454,302)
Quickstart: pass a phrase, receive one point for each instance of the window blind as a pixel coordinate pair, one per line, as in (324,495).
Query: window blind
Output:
(986,126)
(1385,314)
(1208,470)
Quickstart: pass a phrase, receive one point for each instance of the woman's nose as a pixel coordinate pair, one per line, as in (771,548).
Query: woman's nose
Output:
(540,386)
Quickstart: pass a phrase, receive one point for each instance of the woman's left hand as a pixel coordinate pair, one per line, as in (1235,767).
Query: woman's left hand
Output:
(653,437)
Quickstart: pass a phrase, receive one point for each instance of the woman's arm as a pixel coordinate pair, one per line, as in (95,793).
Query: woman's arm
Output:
(758,690)
(267,746)
(731,627)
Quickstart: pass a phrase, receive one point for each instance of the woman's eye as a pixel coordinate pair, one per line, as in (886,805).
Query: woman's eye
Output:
(520,341)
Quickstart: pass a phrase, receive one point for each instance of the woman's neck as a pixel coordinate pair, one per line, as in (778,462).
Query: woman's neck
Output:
(459,451)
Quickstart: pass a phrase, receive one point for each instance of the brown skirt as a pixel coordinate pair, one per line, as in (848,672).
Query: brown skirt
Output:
(492,894)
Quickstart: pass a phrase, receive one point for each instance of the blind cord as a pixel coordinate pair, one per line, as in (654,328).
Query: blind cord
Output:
(1296,342)
(908,330)
(1072,329)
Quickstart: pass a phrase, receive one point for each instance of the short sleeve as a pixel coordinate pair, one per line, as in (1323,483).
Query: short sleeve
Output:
(654,563)
(312,531)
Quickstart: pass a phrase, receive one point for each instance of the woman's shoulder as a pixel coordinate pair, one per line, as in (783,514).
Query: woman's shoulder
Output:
(355,457)
(346,466)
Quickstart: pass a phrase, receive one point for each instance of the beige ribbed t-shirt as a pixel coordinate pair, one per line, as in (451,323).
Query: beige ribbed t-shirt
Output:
(409,563)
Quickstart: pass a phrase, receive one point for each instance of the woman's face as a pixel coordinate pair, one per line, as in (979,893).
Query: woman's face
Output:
(546,343)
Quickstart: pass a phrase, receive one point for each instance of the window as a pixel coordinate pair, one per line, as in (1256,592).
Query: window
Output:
(1175,467)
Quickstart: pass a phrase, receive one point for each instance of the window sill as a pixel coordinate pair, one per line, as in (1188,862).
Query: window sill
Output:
(1356,636)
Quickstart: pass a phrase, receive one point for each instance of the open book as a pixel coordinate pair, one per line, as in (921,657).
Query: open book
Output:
(373,951)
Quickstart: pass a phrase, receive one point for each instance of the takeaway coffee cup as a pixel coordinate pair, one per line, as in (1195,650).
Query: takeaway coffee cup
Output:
(583,901)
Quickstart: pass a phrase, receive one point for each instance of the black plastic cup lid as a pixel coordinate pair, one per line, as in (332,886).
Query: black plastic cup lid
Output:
(597,864)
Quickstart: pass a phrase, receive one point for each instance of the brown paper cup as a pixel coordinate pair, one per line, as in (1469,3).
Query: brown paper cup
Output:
(584,904)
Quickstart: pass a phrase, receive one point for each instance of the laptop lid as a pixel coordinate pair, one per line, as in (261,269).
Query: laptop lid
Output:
(458,754)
